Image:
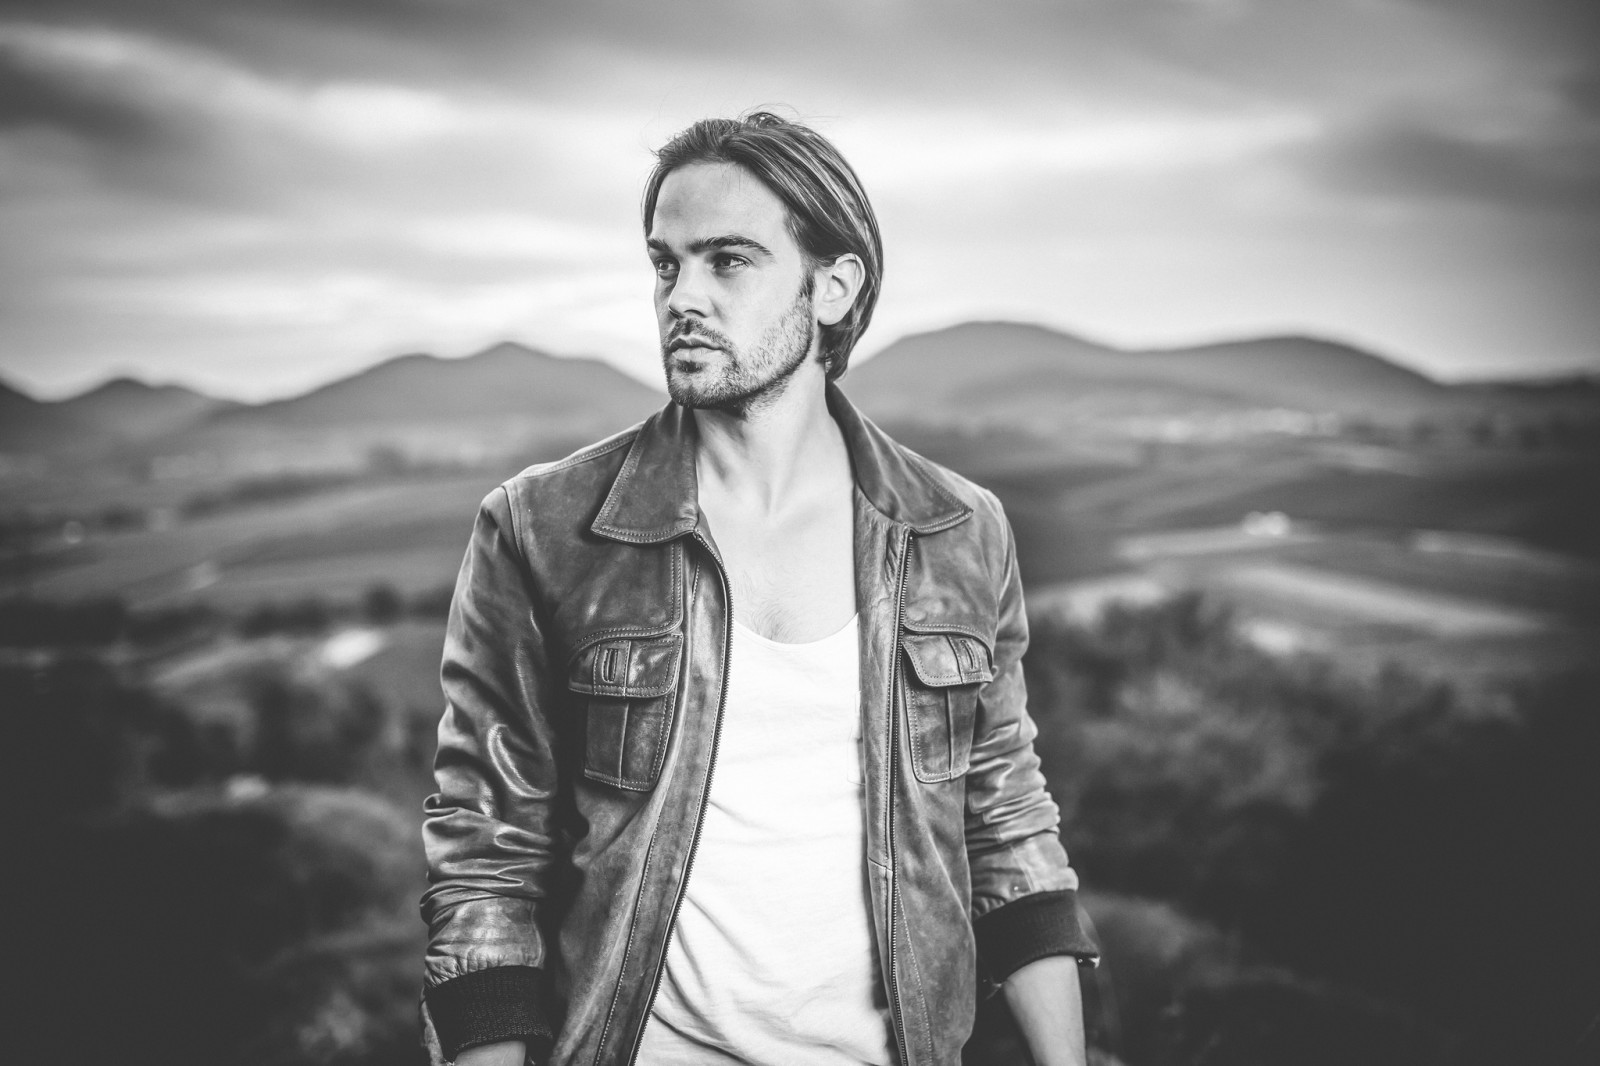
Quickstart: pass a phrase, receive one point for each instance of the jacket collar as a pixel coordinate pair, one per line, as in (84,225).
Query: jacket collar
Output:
(655,496)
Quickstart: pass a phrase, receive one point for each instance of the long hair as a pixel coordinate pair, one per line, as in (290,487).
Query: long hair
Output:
(828,211)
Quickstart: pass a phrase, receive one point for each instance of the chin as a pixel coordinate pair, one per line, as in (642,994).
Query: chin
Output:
(685,385)
(690,392)
(700,388)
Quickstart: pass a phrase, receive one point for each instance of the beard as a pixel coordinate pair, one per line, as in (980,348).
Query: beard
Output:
(747,379)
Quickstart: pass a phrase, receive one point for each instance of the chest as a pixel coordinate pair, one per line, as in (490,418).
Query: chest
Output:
(791,580)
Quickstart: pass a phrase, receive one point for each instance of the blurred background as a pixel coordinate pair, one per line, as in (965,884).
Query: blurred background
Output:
(1273,325)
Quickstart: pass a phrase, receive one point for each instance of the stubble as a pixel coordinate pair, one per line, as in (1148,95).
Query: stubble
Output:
(747,380)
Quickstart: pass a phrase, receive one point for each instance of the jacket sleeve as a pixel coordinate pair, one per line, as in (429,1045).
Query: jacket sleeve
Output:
(490,832)
(1024,892)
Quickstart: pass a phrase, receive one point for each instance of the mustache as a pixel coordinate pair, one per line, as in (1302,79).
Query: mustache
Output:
(688,329)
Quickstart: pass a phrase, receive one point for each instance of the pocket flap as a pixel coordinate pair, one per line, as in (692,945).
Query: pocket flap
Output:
(627,669)
(941,659)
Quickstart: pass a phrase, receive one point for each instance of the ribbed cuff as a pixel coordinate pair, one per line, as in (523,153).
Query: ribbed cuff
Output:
(501,1003)
(1029,928)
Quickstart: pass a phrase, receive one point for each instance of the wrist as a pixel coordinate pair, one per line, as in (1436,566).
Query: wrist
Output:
(500,1053)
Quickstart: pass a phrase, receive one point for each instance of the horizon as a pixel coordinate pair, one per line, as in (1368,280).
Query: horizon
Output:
(656,383)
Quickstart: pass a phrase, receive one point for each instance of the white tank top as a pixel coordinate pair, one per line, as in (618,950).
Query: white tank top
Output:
(773,959)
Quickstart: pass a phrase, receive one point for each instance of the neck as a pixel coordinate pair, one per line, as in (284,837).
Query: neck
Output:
(775,455)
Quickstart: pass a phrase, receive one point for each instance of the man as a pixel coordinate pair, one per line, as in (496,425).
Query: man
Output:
(735,765)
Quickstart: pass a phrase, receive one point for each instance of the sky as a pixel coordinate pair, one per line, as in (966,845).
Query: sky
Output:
(253,197)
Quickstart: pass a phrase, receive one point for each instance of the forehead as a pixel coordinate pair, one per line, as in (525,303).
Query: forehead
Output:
(704,200)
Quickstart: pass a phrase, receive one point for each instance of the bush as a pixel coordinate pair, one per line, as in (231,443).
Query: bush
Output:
(79,739)
(309,730)
(1374,835)
(382,604)
(1182,757)
(1269,1016)
(31,623)
(274,930)
(1460,863)
(304,616)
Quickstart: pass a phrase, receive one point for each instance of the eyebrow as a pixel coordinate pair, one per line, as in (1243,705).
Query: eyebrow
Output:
(726,240)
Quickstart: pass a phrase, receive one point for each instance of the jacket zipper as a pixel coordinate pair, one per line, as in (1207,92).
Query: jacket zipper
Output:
(705,795)
(894,771)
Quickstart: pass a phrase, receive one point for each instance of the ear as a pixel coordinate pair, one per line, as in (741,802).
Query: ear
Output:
(837,285)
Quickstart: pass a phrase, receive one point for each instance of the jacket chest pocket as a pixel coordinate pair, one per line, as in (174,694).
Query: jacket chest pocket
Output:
(941,697)
(630,691)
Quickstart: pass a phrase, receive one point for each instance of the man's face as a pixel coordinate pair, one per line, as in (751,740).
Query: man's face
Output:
(732,297)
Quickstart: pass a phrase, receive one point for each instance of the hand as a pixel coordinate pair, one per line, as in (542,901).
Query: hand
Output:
(504,1053)
(1047,1002)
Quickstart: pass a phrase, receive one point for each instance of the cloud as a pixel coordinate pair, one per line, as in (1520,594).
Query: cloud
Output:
(360,176)
(147,83)
(33,98)
(92,86)
(502,237)
(245,20)
(1582,93)
(1135,142)
(1566,28)
(1414,161)
(166,120)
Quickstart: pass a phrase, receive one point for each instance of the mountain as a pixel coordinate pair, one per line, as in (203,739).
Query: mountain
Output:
(132,410)
(28,425)
(987,368)
(419,403)
(117,413)
(507,380)
(505,403)
(514,400)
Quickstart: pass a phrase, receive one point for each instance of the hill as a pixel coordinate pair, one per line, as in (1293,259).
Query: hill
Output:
(505,380)
(113,414)
(995,368)
(506,399)
(28,425)
(129,409)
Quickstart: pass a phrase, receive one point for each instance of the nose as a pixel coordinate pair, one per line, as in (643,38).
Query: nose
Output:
(689,294)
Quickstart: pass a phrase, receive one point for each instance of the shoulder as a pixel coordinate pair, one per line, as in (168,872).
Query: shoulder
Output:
(977,548)
(988,515)
(961,575)
(567,489)
(589,462)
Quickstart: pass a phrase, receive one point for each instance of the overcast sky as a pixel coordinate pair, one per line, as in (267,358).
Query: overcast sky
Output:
(254,196)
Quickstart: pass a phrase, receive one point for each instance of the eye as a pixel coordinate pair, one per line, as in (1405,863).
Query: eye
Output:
(727,263)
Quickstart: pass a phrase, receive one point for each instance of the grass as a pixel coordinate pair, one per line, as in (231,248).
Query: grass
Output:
(410,533)
(1551,504)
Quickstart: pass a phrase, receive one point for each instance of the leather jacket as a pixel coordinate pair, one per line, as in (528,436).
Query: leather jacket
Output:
(584,670)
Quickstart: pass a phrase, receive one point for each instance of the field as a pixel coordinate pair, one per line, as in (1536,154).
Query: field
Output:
(1376,552)
(334,543)
(1255,659)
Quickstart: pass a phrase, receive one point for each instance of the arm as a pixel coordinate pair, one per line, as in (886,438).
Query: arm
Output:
(1047,1003)
(1024,891)
(490,832)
